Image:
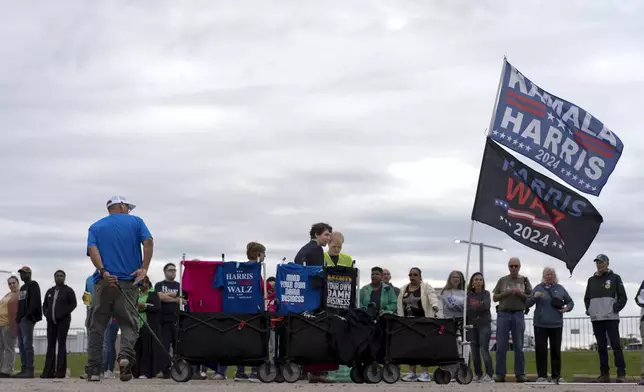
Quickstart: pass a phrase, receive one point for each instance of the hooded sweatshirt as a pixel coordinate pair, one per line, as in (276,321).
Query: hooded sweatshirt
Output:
(605,296)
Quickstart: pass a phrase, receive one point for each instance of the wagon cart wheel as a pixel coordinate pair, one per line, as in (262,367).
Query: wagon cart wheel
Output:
(267,372)
(357,374)
(372,373)
(464,374)
(391,373)
(442,377)
(180,370)
(291,372)
(279,377)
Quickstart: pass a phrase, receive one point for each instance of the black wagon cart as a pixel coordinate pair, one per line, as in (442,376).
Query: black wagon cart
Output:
(426,342)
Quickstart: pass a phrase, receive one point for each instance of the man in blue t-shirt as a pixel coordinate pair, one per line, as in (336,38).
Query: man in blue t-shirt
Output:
(114,246)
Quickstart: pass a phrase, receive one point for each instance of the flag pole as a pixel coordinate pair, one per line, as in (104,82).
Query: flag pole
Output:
(496,98)
(465,343)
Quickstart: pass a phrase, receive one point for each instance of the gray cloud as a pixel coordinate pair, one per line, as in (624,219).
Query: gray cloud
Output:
(233,122)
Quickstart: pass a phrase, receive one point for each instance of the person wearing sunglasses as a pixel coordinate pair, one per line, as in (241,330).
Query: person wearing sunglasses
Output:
(169,311)
(511,292)
(418,299)
(8,327)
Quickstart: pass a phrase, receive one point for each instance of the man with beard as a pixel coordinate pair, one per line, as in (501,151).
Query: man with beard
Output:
(29,313)
(60,302)
(169,310)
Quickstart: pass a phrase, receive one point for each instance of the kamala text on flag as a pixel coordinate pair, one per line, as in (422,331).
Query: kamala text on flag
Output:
(559,135)
(532,209)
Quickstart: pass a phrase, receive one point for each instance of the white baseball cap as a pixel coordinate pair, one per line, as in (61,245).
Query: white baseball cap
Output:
(118,200)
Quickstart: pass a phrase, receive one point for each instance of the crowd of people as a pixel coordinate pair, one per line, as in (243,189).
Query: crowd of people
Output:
(120,247)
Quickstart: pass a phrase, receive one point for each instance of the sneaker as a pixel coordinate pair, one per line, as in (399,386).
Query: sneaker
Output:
(541,380)
(498,378)
(241,377)
(253,378)
(641,381)
(476,378)
(424,377)
(125,370)
(620,379)
(603,379)
(521,379)
(109,374)
(204,375)
(487,378)
(93,377)
(218,377)
(558,380)
(142,377)
(410,377)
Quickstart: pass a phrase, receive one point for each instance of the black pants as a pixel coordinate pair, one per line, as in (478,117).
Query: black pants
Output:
(169,339)
(147,361)
(56,365)
(610,329)
(541,338)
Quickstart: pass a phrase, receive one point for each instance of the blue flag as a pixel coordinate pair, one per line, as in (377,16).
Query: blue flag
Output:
(557,134)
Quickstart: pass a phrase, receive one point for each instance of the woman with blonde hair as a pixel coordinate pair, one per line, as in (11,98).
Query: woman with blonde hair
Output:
(417,299)
(8,327)
(552,301)
(334,257)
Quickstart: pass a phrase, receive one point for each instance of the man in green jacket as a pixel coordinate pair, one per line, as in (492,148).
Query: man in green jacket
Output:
(379,293)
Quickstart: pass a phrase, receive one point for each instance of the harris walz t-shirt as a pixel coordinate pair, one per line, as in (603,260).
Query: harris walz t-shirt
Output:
(240,284)
(169,311)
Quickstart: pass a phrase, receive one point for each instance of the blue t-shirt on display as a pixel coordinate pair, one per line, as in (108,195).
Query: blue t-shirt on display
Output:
(295,289)
(118,238)
(240,285)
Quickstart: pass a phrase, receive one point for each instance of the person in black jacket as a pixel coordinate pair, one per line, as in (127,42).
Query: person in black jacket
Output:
(59,303)
(148,361)
(312,253)
(605,297)
(29,313)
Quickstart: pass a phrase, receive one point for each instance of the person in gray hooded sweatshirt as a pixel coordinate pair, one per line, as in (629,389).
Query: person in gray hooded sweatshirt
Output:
(552,301)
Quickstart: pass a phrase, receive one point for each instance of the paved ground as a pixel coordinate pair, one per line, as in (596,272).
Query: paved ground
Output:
(70,385)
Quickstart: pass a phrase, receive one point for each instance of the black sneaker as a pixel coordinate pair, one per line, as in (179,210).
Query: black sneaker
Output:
(241,377)
(521,379)
(125,369)
(603,379)
(498,378)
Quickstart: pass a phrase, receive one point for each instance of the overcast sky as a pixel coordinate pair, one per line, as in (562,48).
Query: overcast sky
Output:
(230,122)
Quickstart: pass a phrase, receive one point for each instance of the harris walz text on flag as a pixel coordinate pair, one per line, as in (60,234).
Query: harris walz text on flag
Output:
(559,135)
(533,209)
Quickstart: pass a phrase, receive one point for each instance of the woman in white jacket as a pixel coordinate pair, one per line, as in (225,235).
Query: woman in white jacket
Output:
(418,299)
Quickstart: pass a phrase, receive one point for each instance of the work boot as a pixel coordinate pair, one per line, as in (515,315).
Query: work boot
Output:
(125,369)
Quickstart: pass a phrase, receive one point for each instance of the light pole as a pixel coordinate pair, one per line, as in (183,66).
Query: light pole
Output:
(481,246)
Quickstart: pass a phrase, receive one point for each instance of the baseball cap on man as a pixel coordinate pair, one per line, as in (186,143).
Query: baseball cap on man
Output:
(25,269)
(602,258)
(118,200)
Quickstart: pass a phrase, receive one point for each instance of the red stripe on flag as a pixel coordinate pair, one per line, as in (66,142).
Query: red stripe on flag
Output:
(590,147)
(525,99)
(524,107)
(589,138)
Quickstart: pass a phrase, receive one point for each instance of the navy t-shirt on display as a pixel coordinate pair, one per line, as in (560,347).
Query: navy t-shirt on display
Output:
(240,284)
(298,288)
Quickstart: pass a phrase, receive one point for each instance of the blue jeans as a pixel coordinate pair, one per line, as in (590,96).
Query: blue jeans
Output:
(109,346)
(26,345)
(510,323)
(480,338)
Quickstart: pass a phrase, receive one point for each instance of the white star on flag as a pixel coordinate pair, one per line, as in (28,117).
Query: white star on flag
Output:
(551,117)
(561,124)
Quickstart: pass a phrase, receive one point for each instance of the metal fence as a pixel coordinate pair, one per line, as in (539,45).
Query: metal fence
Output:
(577,335)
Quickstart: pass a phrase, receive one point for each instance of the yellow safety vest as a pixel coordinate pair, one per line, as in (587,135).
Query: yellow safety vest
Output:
(343,260)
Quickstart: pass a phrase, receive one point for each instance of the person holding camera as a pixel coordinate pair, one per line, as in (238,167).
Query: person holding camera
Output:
(511,292)
(552,301)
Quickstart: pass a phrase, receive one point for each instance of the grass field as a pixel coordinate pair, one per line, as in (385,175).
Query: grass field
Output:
(582,362)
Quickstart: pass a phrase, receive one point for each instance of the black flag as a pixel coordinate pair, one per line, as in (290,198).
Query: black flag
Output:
(533,209)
